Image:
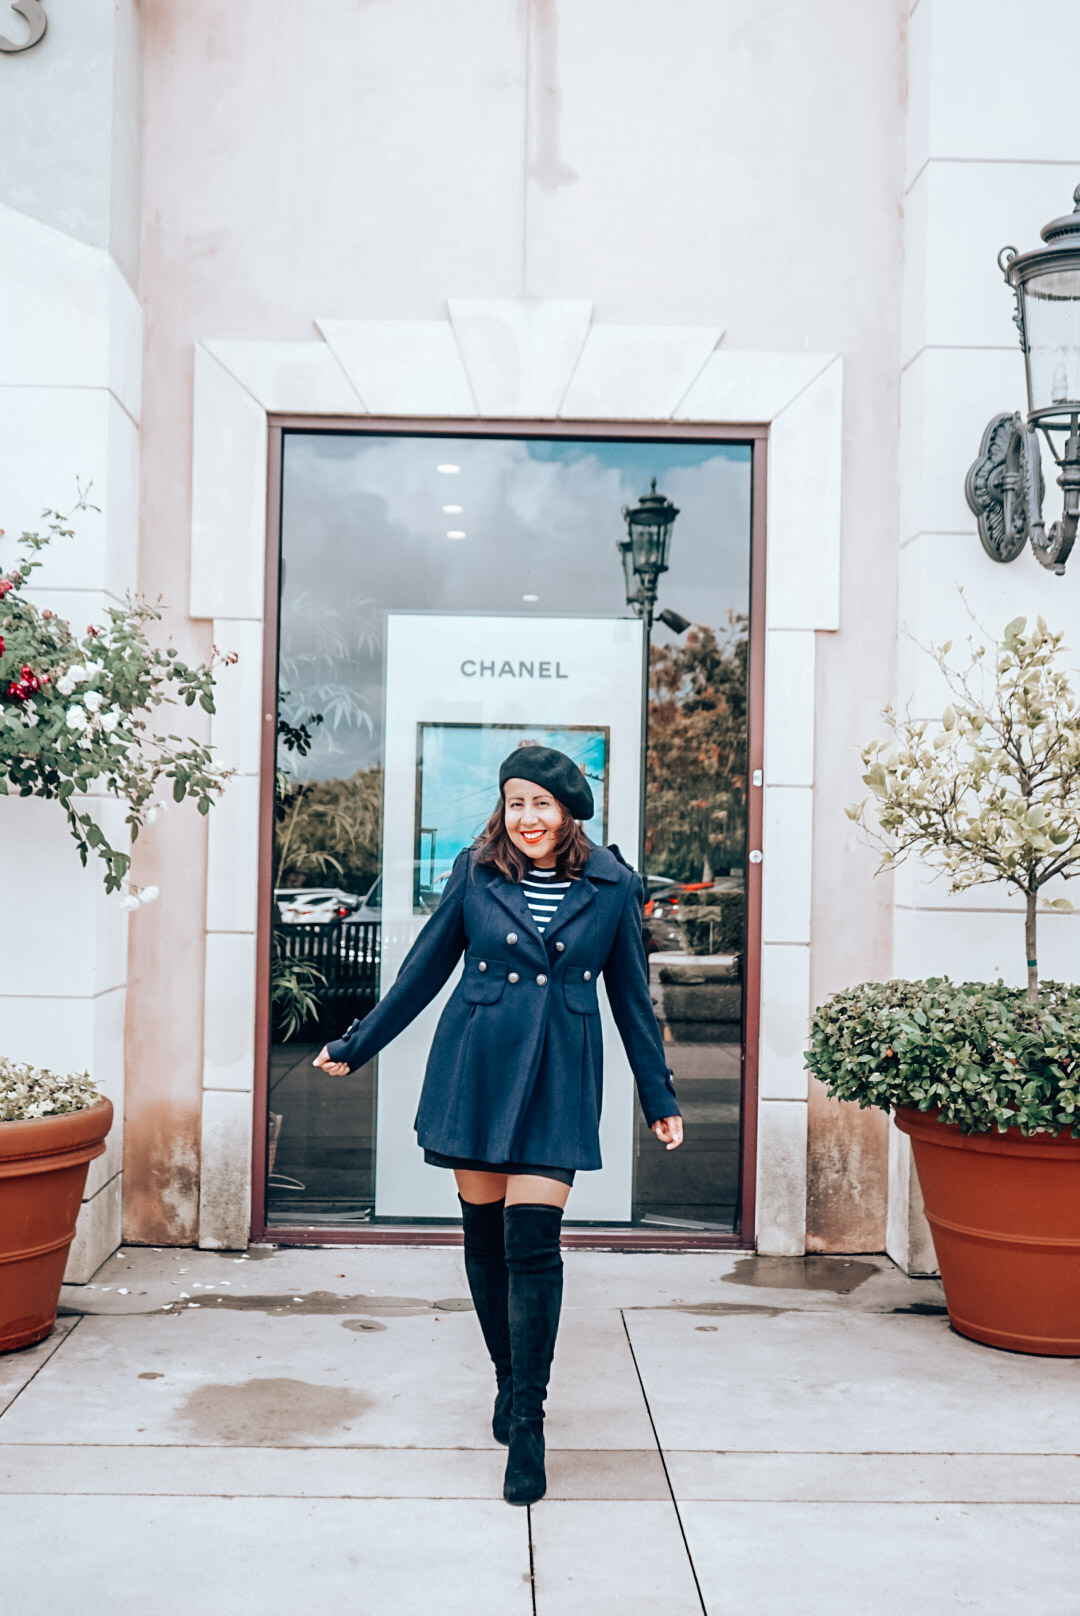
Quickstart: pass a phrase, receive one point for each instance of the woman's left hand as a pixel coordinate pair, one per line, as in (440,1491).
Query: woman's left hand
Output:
(669,1132)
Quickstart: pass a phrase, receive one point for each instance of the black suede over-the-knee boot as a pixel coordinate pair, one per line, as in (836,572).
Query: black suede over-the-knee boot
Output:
(534,1261)
(485,1269)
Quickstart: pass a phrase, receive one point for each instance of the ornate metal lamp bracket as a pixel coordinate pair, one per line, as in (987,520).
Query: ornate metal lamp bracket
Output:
(1005,489)
(33,12)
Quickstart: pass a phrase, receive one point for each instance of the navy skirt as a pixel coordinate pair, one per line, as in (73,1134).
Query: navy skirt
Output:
(563,1175)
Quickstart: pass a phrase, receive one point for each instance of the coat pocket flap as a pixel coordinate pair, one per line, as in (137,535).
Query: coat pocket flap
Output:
(483,980)
(579,991)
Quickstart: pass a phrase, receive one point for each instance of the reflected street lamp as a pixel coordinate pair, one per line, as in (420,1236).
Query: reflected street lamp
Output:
(1005,485)
(644,555)
(644,551)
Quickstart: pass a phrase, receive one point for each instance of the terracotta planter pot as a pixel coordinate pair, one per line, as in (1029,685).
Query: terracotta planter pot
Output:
(43,1166)
(1005,1215)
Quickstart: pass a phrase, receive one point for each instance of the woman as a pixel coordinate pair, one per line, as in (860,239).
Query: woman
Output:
(511,1098)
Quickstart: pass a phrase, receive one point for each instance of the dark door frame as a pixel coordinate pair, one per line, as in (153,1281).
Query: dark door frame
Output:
(619,1238)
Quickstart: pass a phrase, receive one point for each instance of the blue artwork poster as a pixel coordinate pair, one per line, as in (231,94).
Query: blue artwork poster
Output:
(457,772)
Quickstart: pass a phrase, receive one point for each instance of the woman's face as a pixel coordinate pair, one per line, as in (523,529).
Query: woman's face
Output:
(533,820)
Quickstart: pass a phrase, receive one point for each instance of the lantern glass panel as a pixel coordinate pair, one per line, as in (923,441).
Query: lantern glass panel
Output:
(626,554)
(1052,327)
(650,545)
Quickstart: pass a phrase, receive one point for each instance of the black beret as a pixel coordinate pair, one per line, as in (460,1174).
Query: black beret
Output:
(553,770)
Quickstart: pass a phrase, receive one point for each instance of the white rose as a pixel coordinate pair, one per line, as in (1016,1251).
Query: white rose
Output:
(78,675)
(31,720)
(129,902)
(76,717)
(93,700)
(151,815)
(92,669)
(65,685)
(149,894)
(110,719)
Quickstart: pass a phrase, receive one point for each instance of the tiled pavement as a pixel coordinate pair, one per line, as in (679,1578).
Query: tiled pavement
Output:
(307,1431)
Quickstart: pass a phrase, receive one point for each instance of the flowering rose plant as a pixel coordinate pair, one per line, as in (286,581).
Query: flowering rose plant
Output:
(75,712)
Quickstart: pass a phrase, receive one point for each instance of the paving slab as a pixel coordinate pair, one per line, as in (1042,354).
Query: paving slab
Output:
(628,1557)
(855,1382)
(888,1559)
(728,1281)
(218,1377)
(319,1472)
(254,1472)
(142,1279)
(17,1369)
(977,1478)
(106,1556)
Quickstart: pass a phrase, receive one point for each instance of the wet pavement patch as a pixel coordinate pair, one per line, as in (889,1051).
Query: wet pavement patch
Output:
(327,1304)
(841,1275)
(923,1309)
(714,1309)
(269,1412)
(362,1326)
(312,1304)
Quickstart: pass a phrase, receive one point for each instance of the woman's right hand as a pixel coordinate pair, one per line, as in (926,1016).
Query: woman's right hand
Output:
(333,1068)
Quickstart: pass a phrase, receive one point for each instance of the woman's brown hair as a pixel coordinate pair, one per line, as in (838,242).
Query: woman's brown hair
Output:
(495,849)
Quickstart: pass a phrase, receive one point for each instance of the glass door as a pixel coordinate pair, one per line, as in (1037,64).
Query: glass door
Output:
(440,597)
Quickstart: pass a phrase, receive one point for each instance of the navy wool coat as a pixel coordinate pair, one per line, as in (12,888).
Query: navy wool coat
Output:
(515,1072)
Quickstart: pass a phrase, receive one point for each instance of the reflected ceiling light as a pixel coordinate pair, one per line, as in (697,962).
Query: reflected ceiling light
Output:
(456,533)
(530,597)
(453,510)
(449,470)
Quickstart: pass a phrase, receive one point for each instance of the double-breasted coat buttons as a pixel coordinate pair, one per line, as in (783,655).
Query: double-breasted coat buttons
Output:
(509,1066)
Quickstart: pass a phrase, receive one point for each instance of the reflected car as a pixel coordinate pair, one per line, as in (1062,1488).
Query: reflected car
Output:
(369,908)
(313,906)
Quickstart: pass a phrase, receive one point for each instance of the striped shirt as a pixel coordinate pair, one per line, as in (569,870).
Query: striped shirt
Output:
(543,894)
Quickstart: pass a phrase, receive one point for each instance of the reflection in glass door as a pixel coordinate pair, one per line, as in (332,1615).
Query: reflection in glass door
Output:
(523,528)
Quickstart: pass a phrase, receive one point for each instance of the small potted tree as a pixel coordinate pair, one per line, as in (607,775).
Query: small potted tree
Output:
(75,714)
(984,1077)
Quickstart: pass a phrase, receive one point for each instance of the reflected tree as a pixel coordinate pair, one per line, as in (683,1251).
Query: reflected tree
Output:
(696,783)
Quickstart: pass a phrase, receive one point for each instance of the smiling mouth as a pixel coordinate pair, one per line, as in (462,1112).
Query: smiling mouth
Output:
(533,835)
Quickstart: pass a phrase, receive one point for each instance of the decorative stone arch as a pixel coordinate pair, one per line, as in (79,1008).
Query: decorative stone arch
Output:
(527,360)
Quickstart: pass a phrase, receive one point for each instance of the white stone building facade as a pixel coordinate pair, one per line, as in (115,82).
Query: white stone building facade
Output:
(590,210)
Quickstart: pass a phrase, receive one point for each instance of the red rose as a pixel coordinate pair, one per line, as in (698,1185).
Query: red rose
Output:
(6,586)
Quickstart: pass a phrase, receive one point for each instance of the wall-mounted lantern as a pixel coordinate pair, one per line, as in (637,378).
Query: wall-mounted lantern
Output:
(1005,485)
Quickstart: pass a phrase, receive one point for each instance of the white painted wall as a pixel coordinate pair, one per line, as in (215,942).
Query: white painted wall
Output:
(992,155)
(70,370)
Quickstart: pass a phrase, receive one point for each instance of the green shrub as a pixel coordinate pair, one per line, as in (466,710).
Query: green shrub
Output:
(979,1053)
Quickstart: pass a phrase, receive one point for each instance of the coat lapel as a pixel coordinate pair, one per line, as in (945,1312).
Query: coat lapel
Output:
(512,898)
(581,893)
(602,866)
